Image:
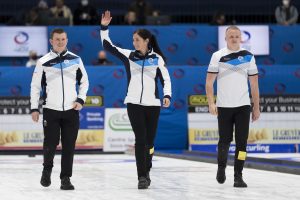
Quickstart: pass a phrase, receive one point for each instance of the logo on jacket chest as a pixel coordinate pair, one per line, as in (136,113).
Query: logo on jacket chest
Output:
(151,61)
(241,58)
(55,63)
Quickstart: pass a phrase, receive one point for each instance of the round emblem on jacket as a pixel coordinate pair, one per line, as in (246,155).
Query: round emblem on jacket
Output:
(241,58)
(66,61)
(150,60)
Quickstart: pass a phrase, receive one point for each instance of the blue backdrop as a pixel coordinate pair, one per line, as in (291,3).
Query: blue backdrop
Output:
(182,44)
(110,82)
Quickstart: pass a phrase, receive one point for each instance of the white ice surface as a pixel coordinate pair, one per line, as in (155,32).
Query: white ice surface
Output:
(113,177)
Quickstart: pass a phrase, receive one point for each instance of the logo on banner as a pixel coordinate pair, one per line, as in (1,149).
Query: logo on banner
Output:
(280,88)
(193,61)
(119,103)
(172,48)
(16,90)
(246,36)
(211,48)
(98,89)
(192,33)
(179,103)
(95,33)
(118,73)
(199,89)
(288,47)
(297,73)
(179,73)
(269,61)
(119,122)
(21,37)
(21,41)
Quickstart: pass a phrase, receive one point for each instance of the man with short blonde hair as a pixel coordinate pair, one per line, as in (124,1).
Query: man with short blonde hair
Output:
(233,66)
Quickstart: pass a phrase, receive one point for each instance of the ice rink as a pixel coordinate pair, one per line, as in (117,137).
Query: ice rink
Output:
(113,177)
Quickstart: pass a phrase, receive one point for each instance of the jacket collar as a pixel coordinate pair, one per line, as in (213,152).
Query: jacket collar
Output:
(63,53)
(140,55)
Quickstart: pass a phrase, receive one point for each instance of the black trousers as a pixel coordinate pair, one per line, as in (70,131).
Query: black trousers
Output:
(237,120)
(144,120)
(62,125)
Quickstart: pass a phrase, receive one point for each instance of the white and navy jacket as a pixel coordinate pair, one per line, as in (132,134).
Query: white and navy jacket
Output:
(143,73)
(233,69)
(56,75)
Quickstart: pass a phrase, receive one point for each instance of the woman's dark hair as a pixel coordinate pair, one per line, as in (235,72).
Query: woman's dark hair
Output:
(145,34)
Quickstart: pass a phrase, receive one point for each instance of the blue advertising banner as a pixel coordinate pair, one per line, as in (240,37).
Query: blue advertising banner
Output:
(252,148)
(92,118)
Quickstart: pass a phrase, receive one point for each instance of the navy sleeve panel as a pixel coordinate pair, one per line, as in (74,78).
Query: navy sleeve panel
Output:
(78,76)
(44,88)
(114,51)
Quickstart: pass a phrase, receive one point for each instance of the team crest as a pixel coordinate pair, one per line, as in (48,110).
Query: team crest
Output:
(240,58)
(150,60)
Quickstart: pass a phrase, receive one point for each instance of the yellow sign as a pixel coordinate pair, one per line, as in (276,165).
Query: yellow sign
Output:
(256,136)
(90,138)
(94,101)
(203,136)
(21,138)
(198,100)
(87,139)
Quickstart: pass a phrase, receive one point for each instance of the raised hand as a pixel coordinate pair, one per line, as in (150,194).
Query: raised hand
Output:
(106,18)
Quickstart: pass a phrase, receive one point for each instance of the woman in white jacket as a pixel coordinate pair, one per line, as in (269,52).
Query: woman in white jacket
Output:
(144,66)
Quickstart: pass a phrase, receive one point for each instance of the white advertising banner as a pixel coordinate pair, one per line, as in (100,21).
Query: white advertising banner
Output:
(118,134)
(19,40)
(277,130)
(255,38)
(19,132)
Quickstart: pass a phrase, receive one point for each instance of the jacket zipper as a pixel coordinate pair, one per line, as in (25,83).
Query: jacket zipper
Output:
(142,80)
(62,81)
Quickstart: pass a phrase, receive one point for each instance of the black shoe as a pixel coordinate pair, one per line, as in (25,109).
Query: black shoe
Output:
(221,177)
(46,178)
(148,178)
(66,184)
(238,181)
(143,183)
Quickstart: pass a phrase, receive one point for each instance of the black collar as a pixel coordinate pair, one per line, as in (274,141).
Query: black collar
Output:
(59,54)
(139,53)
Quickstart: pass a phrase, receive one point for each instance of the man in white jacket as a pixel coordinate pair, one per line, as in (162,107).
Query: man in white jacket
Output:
(233,67)
(56,74)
